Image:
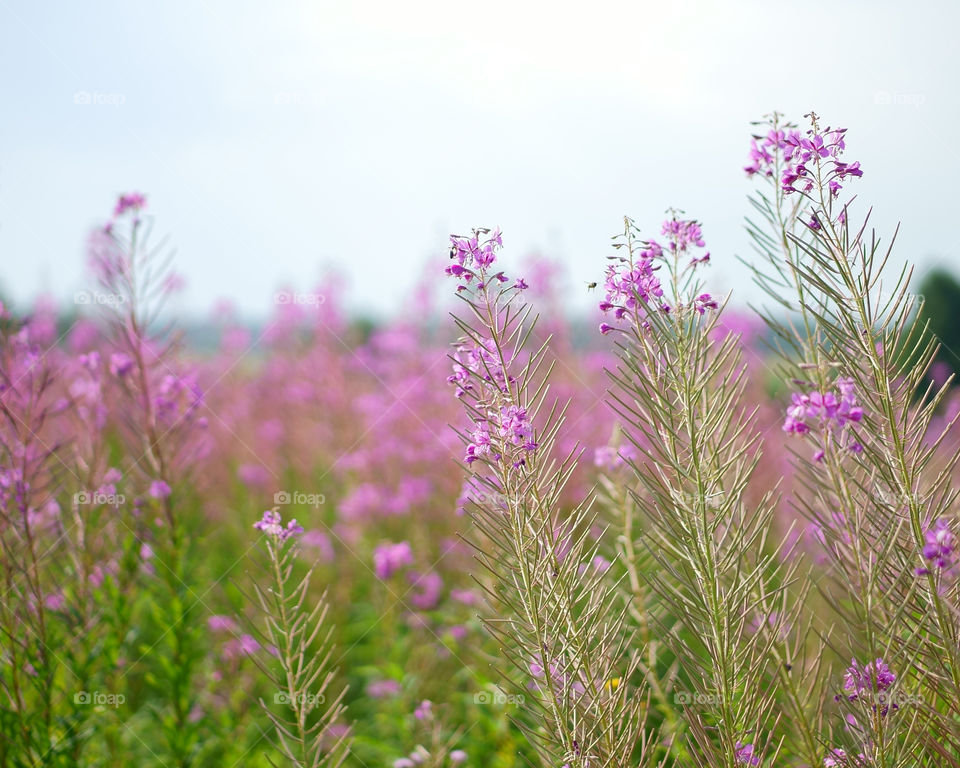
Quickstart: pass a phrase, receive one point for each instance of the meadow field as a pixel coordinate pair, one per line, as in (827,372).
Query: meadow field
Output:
(485,532)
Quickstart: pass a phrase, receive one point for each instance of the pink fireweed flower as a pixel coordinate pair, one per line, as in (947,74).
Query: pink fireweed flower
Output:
(427,589)
(838,758)
(683,234)
(515,427)
(939,547)
(389,558)
(383,689)
(744,754)
(612,458)
(424,710)
(480,444)
(629,288)
(246,645)
(870,681)
(764,150)
(631,284)
(120,364)
(221,623)
(703,302)
(829,411)
(473,258)
(130,201)
(159,490)
(272,525)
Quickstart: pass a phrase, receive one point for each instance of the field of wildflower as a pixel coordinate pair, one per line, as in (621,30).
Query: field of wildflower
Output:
(479,536)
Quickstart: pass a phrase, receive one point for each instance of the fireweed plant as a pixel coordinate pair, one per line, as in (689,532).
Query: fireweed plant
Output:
(559,620)
(165,432)
(864,416)
(293,630)
(679,390)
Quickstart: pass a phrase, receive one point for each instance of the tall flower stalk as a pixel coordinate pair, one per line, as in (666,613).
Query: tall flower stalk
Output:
(294,631)
(678,390)
(30,669)
(876,488)
(560,621)
(165,428)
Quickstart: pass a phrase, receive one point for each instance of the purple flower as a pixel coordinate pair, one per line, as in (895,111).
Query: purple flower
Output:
(389,558)
(55,601)
(473,258)
(831,410)
(159,490)
(272,525)
(382,689)
(838,758)
(130,201)
(429,587)
(940,543)
(703,302)
(423,710)
(120,364)
(801,158)
(515,427)
(744,754)
(873,679)
(479,443)
(220,623)
(457,756)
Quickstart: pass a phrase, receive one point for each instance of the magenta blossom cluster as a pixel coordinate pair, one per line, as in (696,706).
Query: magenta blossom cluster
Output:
(684,235)
(830,410)
(511,425)
(764,150)
(632,286)
(128,201)
(272,525)
(473,257)
(799,154)
(838,758)
(389,558)
(939,547)
(745,754)
(873,678)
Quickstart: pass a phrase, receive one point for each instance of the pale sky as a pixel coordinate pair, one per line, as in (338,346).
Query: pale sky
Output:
(276,140)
